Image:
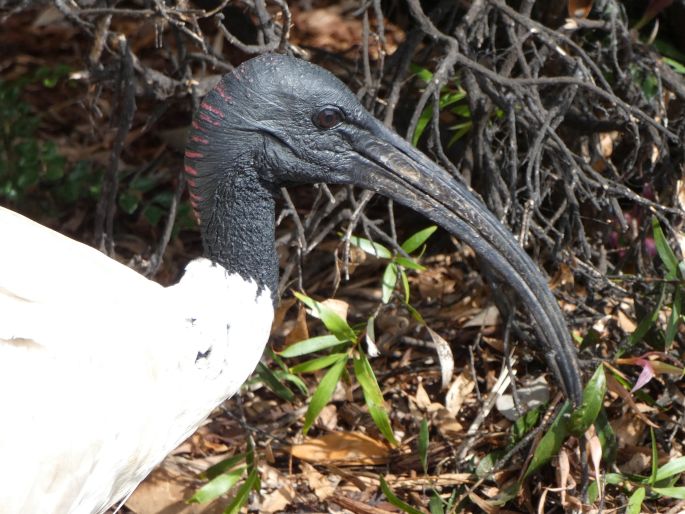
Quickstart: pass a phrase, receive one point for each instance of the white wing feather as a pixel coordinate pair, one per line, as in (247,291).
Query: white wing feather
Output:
(103,372)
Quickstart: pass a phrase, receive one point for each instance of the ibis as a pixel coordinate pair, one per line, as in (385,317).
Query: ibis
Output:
(104,372)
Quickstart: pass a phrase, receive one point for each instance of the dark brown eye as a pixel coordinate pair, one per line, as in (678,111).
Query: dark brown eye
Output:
(328,117)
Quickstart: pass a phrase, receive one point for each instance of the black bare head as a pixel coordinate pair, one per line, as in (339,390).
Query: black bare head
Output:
(277,120)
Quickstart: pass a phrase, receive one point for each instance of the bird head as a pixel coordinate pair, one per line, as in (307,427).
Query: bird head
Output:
(293,122)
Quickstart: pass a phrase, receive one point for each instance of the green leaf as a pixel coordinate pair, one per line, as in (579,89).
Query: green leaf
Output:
(421,125)
(243,493)
(593,396)
(551,442)
(414,241)
(672,492)
(273,383)
(323,392)
(607,437)
(525,423)
(370,247)
(408,263)
(664,250)
(671,468)
(389,281)
(405,507)
(423,445)
(311,345)
(674,319)
(655,458)
(223,466)
(677,67)
(297,381)
(333,322)
(415,314)
(318,363)
(405,285)
(635,501)
(217,486)
(373,397)
(435,504)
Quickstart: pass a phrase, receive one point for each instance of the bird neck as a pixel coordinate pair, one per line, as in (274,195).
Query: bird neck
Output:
(240,232)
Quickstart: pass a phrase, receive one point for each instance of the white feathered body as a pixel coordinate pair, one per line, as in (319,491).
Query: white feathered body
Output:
(103,372)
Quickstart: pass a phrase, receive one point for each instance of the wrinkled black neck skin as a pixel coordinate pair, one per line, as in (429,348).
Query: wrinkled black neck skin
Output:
(240,232)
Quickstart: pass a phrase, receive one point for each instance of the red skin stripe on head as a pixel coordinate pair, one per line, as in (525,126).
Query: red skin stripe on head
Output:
(214,110)
(199,139)
(190,170)
(205,117)
(194,155)
(197,126)
(222,92)
(191,182)
(195,198)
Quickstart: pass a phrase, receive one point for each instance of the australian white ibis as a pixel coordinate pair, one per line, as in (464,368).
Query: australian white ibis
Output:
(103,372)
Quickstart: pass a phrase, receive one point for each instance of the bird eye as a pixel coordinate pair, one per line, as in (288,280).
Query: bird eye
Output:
(328,117)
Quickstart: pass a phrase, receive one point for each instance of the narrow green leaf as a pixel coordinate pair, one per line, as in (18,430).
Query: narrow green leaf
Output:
(592,492)
(423,444)
(671,492)
(223,466)
(635,501)
(323,392)
(311,345)
(677,67)
(333,322)
(389,281)
(435,504)
(297,381)
(421,125)
(243,493)
(373,397)
(405,507)
(408,263)
(317,364)
(414,241)
(216,487)
(273,383)
(371,247)
(655,458)
(607,437)
(671,468)
(405,285)
(593,396)
(422,73)
(664,250)
(674,319)
(525,423)
(415,314)
(551,442)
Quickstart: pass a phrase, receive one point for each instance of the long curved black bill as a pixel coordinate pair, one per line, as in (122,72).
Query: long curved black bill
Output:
(391,166)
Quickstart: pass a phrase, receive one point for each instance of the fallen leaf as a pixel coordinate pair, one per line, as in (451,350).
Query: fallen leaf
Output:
(343,449)
(462,386)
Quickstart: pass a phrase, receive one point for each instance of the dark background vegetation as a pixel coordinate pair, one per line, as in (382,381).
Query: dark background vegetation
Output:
(566,118)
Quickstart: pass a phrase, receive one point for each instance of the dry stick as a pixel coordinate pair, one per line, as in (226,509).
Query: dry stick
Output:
(157,258)
(104,217)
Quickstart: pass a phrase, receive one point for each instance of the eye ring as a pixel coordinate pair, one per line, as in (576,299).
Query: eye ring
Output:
(328,117)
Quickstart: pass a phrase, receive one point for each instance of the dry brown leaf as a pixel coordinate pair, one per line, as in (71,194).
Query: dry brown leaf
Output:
(615,387)
(322,486)
(487,317)
(165,493)
(626,324)
(445,357)
(340,307)
(280,313)
(563,473)
(460,389)
(579,8)
(300,331)
(343,449)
